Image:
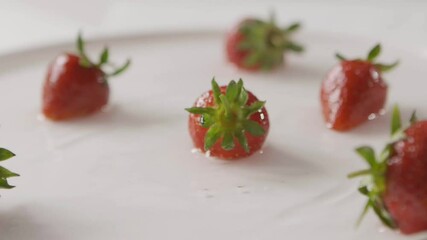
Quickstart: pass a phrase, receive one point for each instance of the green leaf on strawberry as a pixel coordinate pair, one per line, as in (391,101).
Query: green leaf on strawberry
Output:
(266,43)
(371,57)
(5,173)
(229,118)
(103,59)
(375,187)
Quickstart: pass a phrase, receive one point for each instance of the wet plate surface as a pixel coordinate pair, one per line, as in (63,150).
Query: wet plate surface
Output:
(130,173)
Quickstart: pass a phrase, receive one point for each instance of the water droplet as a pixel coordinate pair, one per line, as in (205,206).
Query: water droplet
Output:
(381,112)
(329,125)
(195,150)
(208,153)
(375,75)
(261,151)
(372,116)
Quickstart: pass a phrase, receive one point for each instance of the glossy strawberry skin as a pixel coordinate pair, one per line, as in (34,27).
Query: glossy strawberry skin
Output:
(406,178)
(234,54)
(71,90)
(198,132)
(351,92)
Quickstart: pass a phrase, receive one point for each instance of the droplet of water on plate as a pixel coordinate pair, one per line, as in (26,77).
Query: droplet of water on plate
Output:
(372,116)
(195,150)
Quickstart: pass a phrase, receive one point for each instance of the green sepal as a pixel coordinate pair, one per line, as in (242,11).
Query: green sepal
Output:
(84,60)
(243,141)
(4,184)
(266,43)
(293,27)
(200,110)
(103,59)
(368,154)
(371,57)
(120,70)
(213,134)
(5,173)
(374,53)
(253,108)
(229,118)
(294,47)
(386,67)
(414,118)
(5,154)
(253,128)
(216,91)
(340,57)
(232,91)
(396,121)
(228,141)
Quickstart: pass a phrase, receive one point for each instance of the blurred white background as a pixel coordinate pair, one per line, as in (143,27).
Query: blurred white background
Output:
(29,23)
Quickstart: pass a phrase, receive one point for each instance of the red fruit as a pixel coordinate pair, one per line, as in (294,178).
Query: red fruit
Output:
(72,90)
(397,190)
(258,45)
(76,87)
(228,121)
(354,92)
(406,190)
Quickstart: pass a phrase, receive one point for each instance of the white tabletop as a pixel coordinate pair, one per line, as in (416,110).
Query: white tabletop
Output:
(28,23)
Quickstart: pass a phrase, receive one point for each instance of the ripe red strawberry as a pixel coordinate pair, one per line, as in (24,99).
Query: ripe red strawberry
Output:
(75,86)
(354,91)
(4,173)
(260,45)
(228,121)
(397,190)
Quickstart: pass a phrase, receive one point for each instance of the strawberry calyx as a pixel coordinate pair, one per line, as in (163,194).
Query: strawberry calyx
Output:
(229,118)
(375,185)
(5,173)
(266,43)
(102,62)
(371,57)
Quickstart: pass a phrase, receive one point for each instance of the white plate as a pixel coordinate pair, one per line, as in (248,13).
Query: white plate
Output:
(129,172)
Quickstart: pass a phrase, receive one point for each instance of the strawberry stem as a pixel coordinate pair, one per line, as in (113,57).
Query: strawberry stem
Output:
(103,59)
(229,118)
